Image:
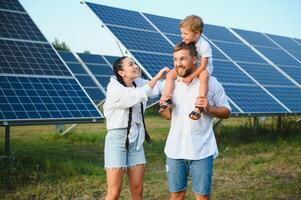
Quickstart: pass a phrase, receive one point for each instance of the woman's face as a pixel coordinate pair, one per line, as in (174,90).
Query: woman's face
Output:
(129,69)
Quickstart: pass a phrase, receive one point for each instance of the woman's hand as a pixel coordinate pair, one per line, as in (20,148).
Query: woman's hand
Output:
(162,73)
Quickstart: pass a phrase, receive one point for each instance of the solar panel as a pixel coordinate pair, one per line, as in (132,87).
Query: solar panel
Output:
(136,33)
(11,6)
(35,85)
(274,48)
(252,99)
(98,66)
(94,91)
(236,65)
(285,42)
(19,26)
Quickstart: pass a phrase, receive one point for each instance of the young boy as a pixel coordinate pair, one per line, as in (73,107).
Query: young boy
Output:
(191,30)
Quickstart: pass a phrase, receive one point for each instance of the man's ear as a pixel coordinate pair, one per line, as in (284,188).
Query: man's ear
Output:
(194,60)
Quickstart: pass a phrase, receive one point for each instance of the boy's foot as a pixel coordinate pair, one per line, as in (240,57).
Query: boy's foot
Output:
(196,113)
(165,104)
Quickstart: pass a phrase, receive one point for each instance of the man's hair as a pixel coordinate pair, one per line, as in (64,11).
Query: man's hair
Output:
(183,46)
(193,22)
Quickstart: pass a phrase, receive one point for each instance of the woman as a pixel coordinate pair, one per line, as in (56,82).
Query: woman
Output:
(126,98)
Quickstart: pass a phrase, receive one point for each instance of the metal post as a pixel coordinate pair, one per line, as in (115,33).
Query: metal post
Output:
(279,124)
(7,144)
(255,125)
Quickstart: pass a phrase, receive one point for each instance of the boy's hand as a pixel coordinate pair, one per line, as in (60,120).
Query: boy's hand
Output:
(187,80)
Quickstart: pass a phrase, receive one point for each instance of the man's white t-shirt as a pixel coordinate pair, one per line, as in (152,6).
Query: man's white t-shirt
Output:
(193,139)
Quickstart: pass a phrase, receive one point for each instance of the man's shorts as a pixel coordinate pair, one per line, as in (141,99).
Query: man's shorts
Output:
(200,171)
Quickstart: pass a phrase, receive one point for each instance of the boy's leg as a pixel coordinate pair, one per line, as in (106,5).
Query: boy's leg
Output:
(203,90)
(168,88)
(136,175)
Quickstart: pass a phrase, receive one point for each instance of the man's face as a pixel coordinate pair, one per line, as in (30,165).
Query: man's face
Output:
(184,63)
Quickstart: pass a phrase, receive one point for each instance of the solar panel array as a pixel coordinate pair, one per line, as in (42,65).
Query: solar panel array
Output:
(254,85)
(92,87)
(35,85)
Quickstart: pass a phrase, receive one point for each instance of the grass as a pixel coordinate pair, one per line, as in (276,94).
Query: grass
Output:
(265,165)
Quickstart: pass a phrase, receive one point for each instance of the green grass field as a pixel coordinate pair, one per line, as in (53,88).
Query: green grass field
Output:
(265,165)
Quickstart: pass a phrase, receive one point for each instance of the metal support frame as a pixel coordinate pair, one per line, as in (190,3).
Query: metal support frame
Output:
(7,141)
(279,123)
(256,124)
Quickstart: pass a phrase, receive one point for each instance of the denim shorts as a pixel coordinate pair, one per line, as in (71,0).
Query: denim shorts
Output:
(116,155)
(200,171)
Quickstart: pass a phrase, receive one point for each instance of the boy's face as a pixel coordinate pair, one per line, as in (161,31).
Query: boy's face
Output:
(188,36)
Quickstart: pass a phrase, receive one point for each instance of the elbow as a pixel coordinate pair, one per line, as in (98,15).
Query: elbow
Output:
(227,114)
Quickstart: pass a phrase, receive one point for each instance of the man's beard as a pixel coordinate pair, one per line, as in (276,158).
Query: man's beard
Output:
(184,72)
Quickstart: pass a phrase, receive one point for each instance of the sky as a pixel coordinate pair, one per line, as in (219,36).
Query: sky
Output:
(75,24)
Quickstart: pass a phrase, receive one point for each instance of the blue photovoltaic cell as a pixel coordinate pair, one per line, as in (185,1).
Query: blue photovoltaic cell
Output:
(297,54)
(219,33)
(99,68)
(18,57)
(252,99)
(142,40)
(239,52)
(19,26)
(290,95)
(153,62)
(266,74)
(91,58)
(33,98)
(11,5)
(83,77)
(227,72)
(278,56)
(174,38)
(120,17)
(165,24)
(292,71)
(255,38)
(285,42)
(111,59)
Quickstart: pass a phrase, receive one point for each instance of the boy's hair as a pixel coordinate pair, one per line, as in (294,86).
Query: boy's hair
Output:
(193,22)
(183,46)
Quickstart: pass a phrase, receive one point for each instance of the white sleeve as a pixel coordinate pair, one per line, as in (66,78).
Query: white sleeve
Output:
(156,91)
(220,98)
(126,97)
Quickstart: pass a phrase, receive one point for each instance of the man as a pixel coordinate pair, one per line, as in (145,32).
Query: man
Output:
(191,145)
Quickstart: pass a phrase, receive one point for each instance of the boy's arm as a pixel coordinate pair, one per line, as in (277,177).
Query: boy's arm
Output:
(202,67)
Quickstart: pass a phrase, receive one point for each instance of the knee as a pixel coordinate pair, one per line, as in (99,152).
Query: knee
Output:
(137,189)
(113,194)
(204,74)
